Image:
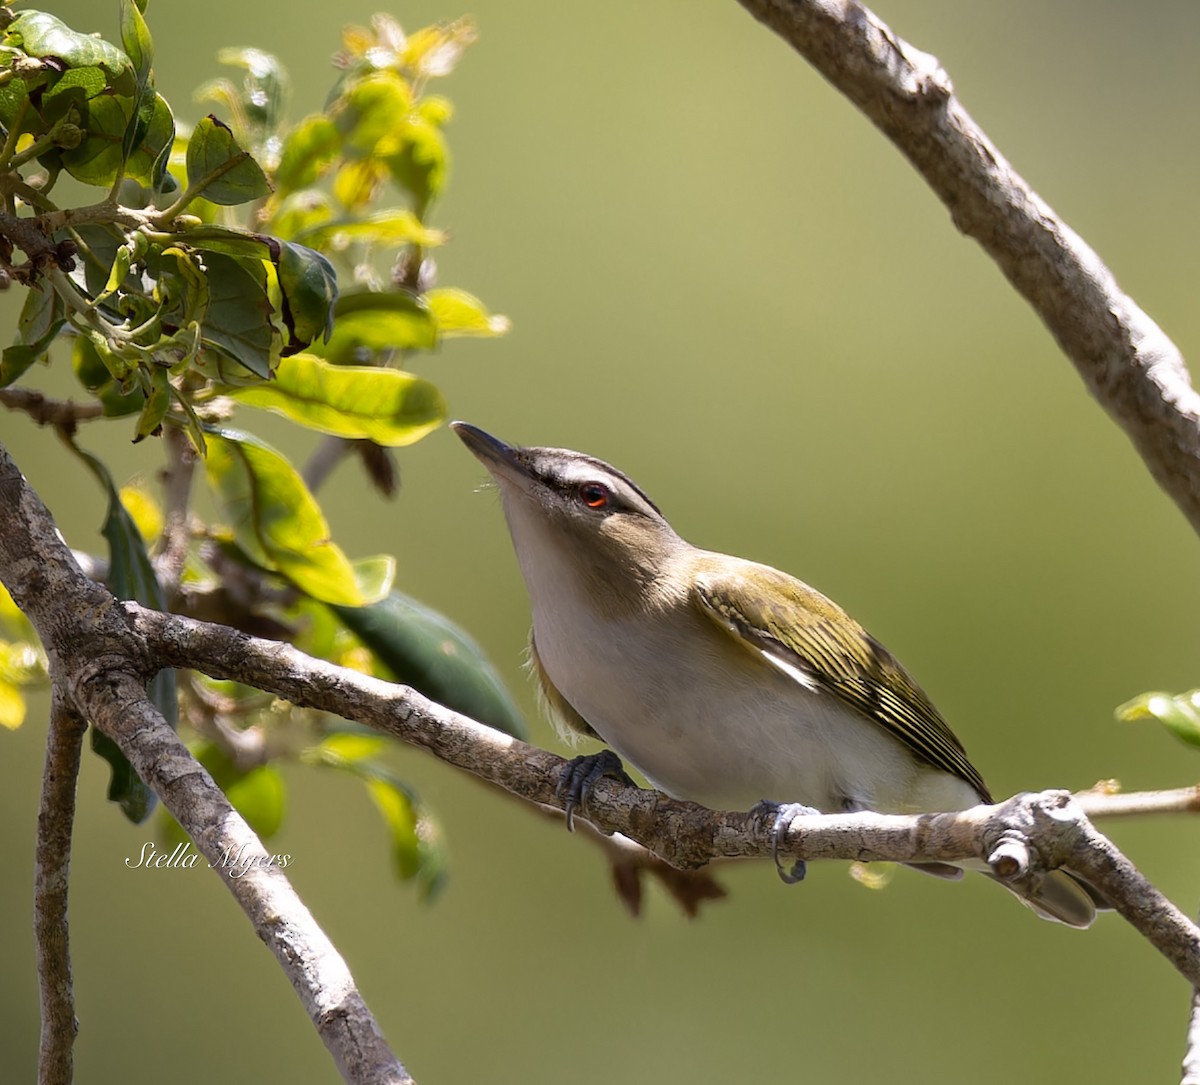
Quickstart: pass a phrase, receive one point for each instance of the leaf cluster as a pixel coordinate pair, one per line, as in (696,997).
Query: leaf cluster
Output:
(244,262)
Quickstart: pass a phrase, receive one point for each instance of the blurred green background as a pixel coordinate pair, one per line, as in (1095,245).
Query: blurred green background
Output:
(724,281)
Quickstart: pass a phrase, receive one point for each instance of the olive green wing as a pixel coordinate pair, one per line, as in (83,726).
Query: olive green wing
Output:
(814,641)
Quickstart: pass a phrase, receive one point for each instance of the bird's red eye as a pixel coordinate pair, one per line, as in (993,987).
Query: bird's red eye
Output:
(594,495)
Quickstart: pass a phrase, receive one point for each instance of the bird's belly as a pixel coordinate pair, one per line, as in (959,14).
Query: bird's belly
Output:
(726,729)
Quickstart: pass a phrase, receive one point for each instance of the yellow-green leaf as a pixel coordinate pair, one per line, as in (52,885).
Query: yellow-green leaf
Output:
(275,518)
(458,313)
(12,706)
(384,405)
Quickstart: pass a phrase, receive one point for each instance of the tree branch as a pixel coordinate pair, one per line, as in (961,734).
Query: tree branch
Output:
(1124,358)
(56,820)
(102,667)
(1019,839)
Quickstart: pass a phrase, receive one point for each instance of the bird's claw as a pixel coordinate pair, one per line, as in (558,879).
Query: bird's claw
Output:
(783,813)
(581,774)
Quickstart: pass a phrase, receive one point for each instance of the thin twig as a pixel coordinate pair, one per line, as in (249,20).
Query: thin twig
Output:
(64,413)
(56,820)
(1191,1054)
(177,489)
(1124,358)
(1101,804)
(326,456)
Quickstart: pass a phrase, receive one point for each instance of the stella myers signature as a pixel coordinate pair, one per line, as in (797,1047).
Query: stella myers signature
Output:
(184,858)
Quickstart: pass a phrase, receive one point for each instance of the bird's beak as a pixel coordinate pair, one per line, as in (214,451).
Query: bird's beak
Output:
(503,461)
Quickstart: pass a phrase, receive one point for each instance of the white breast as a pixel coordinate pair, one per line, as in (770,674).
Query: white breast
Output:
(703,720)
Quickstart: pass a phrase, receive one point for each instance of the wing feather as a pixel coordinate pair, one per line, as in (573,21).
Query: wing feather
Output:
(799,630)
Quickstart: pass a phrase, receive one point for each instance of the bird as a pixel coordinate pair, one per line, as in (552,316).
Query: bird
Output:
(722,680)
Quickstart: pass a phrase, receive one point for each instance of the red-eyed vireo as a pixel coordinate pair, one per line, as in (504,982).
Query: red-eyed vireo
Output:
(723,681)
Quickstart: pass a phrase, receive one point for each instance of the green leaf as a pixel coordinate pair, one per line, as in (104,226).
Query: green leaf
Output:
(135,37)
(101,156)
(392,227)
(458,313)
(130,576)
(349,748)
(241,320)
(275,518)
(42,318)
(125,786)
(40,34)
(139,47)
(309,149)
(309,285)
(374,577)
(416,847)
(93,374)
(424,649)
(259,796)
(158,402)
(422,162)
(219,169)
(383,405)
(368,321)
(1179,714)
(372,112)
(300,212)
(306,282)
(259,793)
(74,88)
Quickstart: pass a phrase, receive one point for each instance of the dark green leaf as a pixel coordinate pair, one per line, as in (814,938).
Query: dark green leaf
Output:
(149,423)
(219,169)
(42,35)
(384,405)
(42,318)
(275,518)
(135,37)
(125,787)
(75,88)
(241,320)
(101,156)
(131,576)
(309,285)
(14,103)
(139,47)
(307,281)
(424,649)
(368,321)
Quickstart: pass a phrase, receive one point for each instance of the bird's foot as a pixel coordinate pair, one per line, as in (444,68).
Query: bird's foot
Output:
(581,774)
(783,813)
